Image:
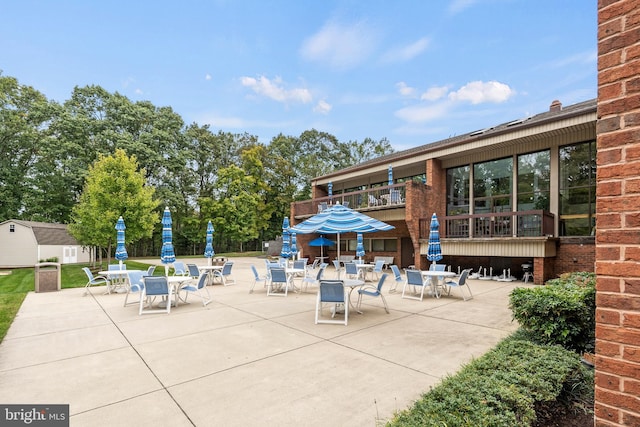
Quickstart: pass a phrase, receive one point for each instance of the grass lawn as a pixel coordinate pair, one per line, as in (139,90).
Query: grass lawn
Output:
(14,286)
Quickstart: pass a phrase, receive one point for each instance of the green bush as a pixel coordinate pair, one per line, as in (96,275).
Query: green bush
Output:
(562,312)
(499,389)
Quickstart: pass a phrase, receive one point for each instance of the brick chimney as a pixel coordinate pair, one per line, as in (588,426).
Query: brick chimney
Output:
(555,106)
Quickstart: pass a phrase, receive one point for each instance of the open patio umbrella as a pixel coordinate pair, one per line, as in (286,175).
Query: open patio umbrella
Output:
(434,252)
(167,255)
(338,219)
(121,250)
(360,247)
(208,249)
(322,242)
(285,252)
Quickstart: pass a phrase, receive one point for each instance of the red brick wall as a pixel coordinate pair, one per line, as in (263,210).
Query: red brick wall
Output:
(575,254)
(618,215)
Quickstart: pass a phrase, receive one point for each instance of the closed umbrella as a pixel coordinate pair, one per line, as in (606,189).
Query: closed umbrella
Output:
(294,245)
(121,250)
(208,249)
(338,219)
(330,187)
(360,247)
(322,242)
(167,255)
(434,251)
(285,252)
(390,175)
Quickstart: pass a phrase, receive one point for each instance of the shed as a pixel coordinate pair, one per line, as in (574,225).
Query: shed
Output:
(26,243)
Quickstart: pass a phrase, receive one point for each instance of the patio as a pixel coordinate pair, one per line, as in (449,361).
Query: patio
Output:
(245,359)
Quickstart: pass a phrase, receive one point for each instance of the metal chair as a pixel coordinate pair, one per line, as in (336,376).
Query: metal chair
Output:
(257,278)
(338,267)
(331,292)
(398,278)
(136,284)
(94,280)
(462,282)
(199,288)
(351,270)
(373,291)
(179,269)
(154,286)
(225,274)
(377,269)
(414,278)
(313,280)
(279,283)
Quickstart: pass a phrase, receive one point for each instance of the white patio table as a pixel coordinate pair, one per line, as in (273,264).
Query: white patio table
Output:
(118,278)
(434,277)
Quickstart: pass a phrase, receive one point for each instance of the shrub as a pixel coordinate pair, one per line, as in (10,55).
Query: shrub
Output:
(562,312)
(499,389)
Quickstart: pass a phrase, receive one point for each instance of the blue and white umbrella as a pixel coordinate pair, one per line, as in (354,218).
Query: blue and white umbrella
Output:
(167,255)
(208,249)
(434,252)
(338,219)
(330,187)
(360,247)
(390,175)
(121,250)
(285,252)
(294,245)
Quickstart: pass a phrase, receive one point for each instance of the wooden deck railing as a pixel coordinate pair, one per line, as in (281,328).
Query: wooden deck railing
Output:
(535,223)
(390,196)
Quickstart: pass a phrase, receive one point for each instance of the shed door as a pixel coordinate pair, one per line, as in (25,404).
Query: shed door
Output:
(70,255)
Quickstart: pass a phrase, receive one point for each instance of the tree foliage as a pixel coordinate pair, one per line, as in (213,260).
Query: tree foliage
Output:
(52,155)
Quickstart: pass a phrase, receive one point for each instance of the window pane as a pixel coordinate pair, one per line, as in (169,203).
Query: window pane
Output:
(577,192)
(534,181)
(458,190)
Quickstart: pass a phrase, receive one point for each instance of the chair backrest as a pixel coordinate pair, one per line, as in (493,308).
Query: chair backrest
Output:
(156,285)
(336,264)
(396,272)
(278,275)
(135,279)
(320,273)
(194,271)
(88,273)
(437,267)
(332,291)
(315,263)
(226,268)
(414,277)
(202,280)
(463,277)
(114,267)
(383,277)
(151,270)
(350,268)
(323,265)
(255,272)
(378,266)
(179,268)
(299,263)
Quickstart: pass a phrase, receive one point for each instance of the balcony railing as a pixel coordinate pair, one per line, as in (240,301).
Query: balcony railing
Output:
(390,196)
(536,223)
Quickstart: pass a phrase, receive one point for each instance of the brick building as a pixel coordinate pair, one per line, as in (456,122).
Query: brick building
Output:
(520,193)
(618,214)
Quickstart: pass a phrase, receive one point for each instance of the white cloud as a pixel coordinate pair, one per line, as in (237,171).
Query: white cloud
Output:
(275,90)
(207,76)
(139,91)
(434,93)
(422,113)
(478,92)
(457,6)
(404,89)
(340,46)
(407,52)
(322,107)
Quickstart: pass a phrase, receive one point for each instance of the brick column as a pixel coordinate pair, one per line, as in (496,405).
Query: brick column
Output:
(618,215)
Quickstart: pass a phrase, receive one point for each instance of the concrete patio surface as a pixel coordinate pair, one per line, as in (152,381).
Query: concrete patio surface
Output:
(244,359)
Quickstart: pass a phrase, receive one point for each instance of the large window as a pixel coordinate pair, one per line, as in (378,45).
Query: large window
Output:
(458,190)
(577,189)
(533,181)
(492,186)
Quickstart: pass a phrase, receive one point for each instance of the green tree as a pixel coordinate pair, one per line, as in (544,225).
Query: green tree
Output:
(114,188)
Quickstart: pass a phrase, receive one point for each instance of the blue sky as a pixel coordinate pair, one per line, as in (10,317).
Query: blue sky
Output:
(413,72)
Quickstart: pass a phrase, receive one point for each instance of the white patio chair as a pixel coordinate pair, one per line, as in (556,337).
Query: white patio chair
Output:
(279,283)
(257,278)
(94,280)
(199,288)
(351,270)
(373,291)
(224,275)
(414,279)
(460,283)
(377,268)
(397,276)
(313,280)
(136,284)
(179,269)
(332,292)
(154,286)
